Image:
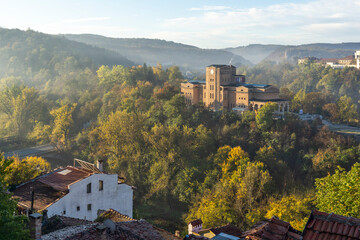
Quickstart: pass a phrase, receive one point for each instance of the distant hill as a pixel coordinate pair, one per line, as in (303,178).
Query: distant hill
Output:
(255,52)
(37,58)
(153,51)
(278,53)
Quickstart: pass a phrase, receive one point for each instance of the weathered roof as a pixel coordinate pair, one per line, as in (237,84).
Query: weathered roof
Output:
(115,216)
(60,180)
(44,195)
(272,229)
(57,222)
(49,187)
(228,229)
(132,230)
(323,225)
(196,222)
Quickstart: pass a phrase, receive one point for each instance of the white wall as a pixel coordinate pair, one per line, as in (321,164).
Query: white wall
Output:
(113,195)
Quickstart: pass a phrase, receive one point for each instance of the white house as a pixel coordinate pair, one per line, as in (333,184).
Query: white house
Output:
(79,192)
(195,226)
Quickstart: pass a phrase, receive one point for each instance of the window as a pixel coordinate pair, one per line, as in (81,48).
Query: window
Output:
(101,185)
(211,87)
(88,188)
(204,95)
(78,208)
(64,212)
(89,207)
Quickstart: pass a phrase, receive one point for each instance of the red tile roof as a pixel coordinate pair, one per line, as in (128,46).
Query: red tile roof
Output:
(272,229)
(323,225)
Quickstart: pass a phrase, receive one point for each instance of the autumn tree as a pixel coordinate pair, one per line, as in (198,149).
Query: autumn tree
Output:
(293,209)
(22,170)
(63,121)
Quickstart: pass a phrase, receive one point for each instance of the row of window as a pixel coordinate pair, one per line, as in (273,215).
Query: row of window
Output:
(242,98)
(101,186)
(78,208)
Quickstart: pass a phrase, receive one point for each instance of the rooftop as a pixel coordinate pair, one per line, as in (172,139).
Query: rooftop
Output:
(115,216)
(323,225)
(272,229)
(221,65)
(228,229)
(196,222)
(49,187)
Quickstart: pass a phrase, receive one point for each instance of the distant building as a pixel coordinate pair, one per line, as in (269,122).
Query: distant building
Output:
(335,63)
(223,88)
(79,192)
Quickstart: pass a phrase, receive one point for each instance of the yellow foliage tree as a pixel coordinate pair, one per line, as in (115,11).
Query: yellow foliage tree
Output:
(293,209)
(22,170)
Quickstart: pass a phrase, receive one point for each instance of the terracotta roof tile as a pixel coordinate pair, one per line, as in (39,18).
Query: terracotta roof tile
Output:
(115,216)
(273,229)
(331,226)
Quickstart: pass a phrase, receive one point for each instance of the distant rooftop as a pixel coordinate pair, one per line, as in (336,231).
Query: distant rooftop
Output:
(220,65)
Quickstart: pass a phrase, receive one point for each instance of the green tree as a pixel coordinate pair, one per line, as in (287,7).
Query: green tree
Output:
(12,226)
(340,192)
(264,116)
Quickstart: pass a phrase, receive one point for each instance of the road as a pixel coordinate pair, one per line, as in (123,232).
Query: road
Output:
(33,151)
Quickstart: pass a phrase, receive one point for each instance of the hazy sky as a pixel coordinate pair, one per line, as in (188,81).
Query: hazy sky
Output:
(203,23)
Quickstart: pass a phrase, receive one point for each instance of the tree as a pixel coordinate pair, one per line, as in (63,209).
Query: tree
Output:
(11,225)
(347,108)
(264,116)
(63,122)
(23,107)
(293,209)
(340,192)
(22,170)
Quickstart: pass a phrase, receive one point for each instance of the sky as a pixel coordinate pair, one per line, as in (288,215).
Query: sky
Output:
(202,23)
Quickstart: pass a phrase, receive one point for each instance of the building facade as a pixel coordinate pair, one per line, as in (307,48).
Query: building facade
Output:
(75,192)
(224,89)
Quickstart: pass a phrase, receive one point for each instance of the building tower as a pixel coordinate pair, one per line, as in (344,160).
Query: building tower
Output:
(357,57)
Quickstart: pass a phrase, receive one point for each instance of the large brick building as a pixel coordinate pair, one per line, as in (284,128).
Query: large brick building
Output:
(224,89)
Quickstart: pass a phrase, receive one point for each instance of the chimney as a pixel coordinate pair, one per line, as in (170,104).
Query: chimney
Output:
(100,165)
(35,226)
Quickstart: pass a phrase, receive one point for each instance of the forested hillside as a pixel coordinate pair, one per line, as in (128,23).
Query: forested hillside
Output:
(39,58)
(153,51)
(185,161)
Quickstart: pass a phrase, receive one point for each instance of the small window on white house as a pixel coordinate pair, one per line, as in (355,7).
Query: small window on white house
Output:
(89,207)
(88,188)
(64,212)
(78,208)
(101,185)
